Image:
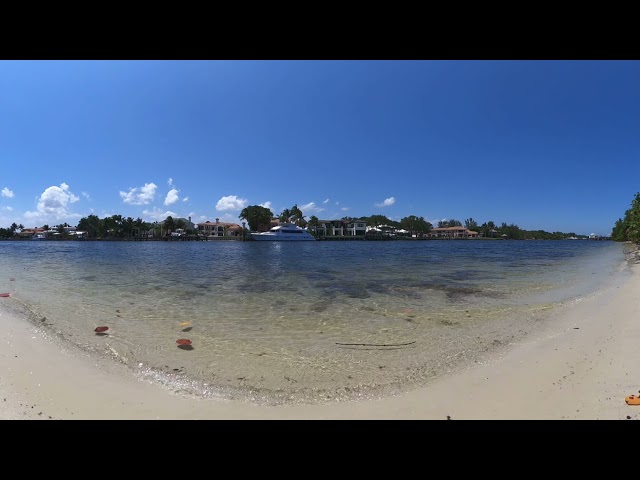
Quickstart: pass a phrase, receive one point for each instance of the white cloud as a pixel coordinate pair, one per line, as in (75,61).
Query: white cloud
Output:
(266,205)
(231,202)
(86,195)
(10,209)
(310,208)
(157,214)
(7,193)
(172,196)
(140,196)
(185,199)
(54,203)
(229,218)
(170,182)
(387,203)
(344,209)
(326,201)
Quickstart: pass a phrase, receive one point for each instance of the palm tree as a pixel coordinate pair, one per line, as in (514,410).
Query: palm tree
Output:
(285,216)
(127,226)
(169,224)
(492,227)
(314,223)
(296,214)
(470,224)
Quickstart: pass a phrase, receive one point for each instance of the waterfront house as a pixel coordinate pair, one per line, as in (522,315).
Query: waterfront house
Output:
(30,232)
(219,229)
(453,232)
(340,228)
(356,227)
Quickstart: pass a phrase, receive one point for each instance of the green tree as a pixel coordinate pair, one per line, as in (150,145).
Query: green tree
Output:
(619,231)
(140,226)
(628,228)
(107,227)
(314,223)
(296,215)
(471,224)
(415,225)
(180,223)
(375,220)
(169,225)
(258,217)
(91,225)
(491,228)
(285,216)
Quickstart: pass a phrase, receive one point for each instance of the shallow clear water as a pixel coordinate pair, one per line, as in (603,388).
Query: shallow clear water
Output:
(267,319)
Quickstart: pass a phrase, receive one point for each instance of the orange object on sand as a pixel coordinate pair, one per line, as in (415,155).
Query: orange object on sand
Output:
(632,400)
(101,329)
(183,341)
(5,294)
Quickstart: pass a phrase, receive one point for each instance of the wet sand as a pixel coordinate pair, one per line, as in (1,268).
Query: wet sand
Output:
(581,365)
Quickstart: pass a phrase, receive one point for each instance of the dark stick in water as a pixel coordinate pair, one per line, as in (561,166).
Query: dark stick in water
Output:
(377,344)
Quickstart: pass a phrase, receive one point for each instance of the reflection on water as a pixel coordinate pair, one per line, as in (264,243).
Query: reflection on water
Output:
(266,320)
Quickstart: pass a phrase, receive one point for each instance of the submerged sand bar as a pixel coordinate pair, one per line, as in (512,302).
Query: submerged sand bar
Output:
(579,366)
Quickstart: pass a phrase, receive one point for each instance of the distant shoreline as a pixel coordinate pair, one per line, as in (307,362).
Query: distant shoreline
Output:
(322,239)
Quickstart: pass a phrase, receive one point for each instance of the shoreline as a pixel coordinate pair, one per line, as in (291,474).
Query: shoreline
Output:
(581,364)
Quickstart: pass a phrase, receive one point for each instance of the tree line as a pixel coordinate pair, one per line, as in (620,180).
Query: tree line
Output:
(114,226)
(627,229)
(259,219)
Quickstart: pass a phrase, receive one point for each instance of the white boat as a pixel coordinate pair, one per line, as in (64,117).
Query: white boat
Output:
(38,236)
(287,232)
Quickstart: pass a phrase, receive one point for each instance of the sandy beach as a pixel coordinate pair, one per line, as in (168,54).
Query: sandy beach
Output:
(580,366)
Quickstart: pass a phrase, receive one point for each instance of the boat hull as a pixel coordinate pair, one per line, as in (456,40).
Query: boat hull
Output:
(281,238)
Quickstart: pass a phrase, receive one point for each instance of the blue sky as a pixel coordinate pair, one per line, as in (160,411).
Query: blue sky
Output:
(552,145)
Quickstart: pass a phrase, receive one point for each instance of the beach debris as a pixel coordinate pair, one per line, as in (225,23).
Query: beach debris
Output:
(12,279)
(632,400)
(185,324)
(188,329)
(184,344)
(101,329)
(5,295)
(377,344)
(628,417)
(448,417)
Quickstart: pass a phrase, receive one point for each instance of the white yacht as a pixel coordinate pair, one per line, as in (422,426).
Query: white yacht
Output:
(286,232)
